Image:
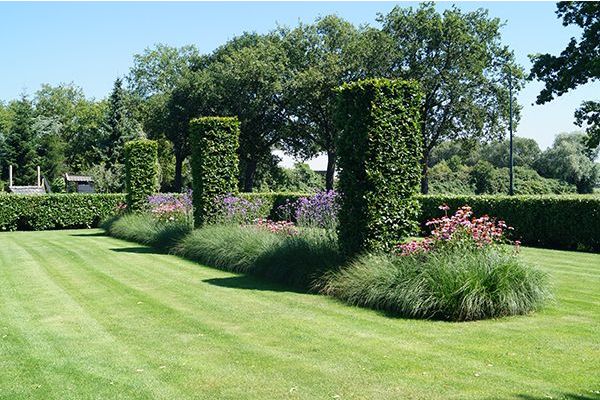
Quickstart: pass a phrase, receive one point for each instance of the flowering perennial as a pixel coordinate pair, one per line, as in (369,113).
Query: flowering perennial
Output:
(235,209)
(462,229)
(171,207)
(282,227)
(318,211)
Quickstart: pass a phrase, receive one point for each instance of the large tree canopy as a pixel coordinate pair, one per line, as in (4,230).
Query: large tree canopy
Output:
(463,68)
(567,160)
(577,64)
(322,56)
(246,78)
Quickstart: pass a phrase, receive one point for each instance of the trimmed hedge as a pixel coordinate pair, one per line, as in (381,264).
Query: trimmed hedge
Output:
(379,158)
(558,222)
(214,143)
(56,211)
(141,172)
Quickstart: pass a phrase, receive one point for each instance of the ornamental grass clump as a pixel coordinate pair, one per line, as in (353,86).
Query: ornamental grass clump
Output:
(463,271)
(145,228)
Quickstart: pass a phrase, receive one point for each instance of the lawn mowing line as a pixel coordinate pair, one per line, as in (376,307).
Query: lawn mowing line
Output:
(13,314)
(218,332)
(421,351)
(312,370)
(442,349)
(111,342)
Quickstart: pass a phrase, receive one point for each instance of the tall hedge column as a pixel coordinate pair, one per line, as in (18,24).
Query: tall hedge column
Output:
(214,144)
(379,149)
(141,172)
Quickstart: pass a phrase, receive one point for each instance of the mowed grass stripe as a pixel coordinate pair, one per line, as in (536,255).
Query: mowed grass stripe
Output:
(87,353)
(261,341)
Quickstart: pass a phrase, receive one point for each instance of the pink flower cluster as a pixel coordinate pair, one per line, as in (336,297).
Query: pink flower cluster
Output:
(169,211)
(461,229)
(282,227)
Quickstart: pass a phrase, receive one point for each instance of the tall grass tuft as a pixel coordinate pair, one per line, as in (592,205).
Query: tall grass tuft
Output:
(449,285)
(301,260)
(230,247)
(146,229)
(297,260)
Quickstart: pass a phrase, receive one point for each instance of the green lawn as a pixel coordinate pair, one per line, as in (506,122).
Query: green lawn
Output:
(84,316)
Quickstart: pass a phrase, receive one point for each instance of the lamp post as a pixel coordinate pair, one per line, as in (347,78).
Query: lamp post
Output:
(511,190)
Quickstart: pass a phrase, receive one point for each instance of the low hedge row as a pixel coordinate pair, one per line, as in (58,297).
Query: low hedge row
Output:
(56,211)
(558,222)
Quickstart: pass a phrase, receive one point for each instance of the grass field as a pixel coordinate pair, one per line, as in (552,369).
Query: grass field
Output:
(84,316)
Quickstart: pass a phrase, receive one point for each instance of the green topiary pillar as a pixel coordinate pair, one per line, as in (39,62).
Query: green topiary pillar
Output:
(214,144)
(141,172)
(380,148)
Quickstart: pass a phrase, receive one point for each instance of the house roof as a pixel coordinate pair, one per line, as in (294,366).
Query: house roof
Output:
(27,189)
(78,178)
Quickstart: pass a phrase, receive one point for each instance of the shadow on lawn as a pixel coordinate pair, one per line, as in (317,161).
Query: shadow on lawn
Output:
(137,250)
(95,234)
(563,396)
(250,283)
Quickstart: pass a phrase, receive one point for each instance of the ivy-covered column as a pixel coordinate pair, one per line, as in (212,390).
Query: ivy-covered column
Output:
(380,147)
(214,144)
(141,172)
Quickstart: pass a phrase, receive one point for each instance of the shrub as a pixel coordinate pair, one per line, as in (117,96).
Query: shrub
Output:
(560,222)
(228,247)
(145,229)
(379,155)
(460,272)
(56,211)
(141,172)
(214,145)
(298,260)
(452,284)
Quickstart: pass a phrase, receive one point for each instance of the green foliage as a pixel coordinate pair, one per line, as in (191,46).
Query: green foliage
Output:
(108,180)
(323,56)
(300,178)
(576,65)
(145,229)
(462,65)
(455,285)
(119,127)
(246,78)
(18,145)
(141,172)
(560,222)
(570,161)
(229,247)
(380,151)
(298,260)
(481,177)
(214,144)
(56,211)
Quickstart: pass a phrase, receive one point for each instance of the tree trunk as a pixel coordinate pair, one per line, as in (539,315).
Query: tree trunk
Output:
(331,159)
(178,172)
(249,175)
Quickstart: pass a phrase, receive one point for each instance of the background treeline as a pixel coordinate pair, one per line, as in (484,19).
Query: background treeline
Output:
(282,87)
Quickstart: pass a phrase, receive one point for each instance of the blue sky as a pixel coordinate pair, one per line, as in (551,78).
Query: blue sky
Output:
(91,44)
